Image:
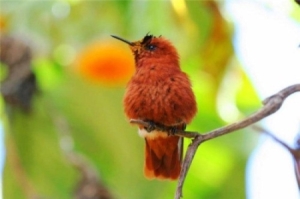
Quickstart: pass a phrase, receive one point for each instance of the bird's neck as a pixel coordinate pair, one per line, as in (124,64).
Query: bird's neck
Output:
(154,73)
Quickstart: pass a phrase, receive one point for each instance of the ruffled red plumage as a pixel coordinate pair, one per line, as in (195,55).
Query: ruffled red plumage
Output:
(160,92)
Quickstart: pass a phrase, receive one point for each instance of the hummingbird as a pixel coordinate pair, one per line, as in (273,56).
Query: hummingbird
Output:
(159,93)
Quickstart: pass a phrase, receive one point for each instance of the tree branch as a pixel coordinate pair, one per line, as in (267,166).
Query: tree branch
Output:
(271,105)
(294,152)
(90,185)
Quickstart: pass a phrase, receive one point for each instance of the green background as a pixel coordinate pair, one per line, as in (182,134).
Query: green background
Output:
(72,115)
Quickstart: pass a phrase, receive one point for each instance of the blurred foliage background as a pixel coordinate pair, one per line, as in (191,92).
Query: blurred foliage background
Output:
(63,79)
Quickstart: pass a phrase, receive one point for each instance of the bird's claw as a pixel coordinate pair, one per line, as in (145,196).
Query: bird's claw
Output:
(172,130)
(151,126)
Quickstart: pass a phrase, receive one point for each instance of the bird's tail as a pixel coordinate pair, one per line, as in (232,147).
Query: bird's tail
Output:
(163,157)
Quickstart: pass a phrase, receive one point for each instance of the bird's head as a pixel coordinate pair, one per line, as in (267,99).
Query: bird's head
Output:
(152,49)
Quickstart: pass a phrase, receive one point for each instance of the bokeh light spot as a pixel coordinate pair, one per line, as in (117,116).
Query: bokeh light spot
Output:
(64,54)
(108,63)
(60,9)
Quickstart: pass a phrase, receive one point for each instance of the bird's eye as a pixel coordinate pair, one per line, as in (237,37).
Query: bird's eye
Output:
(150,47)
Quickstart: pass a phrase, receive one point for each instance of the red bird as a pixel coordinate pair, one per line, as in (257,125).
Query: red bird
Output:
(159,93)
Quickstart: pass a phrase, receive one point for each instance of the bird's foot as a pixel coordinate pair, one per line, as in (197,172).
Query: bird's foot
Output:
(151,126)
(172,130)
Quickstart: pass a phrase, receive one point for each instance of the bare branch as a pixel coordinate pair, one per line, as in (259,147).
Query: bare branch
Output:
(90,185)
(271,105)
(294,152)
(260,129)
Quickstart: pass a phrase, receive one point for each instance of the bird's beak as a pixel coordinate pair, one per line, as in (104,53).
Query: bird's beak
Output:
(124,40)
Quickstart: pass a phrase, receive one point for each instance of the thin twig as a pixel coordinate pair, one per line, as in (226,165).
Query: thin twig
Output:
(271,105)
(262,130)
(294,152)
(90,185)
